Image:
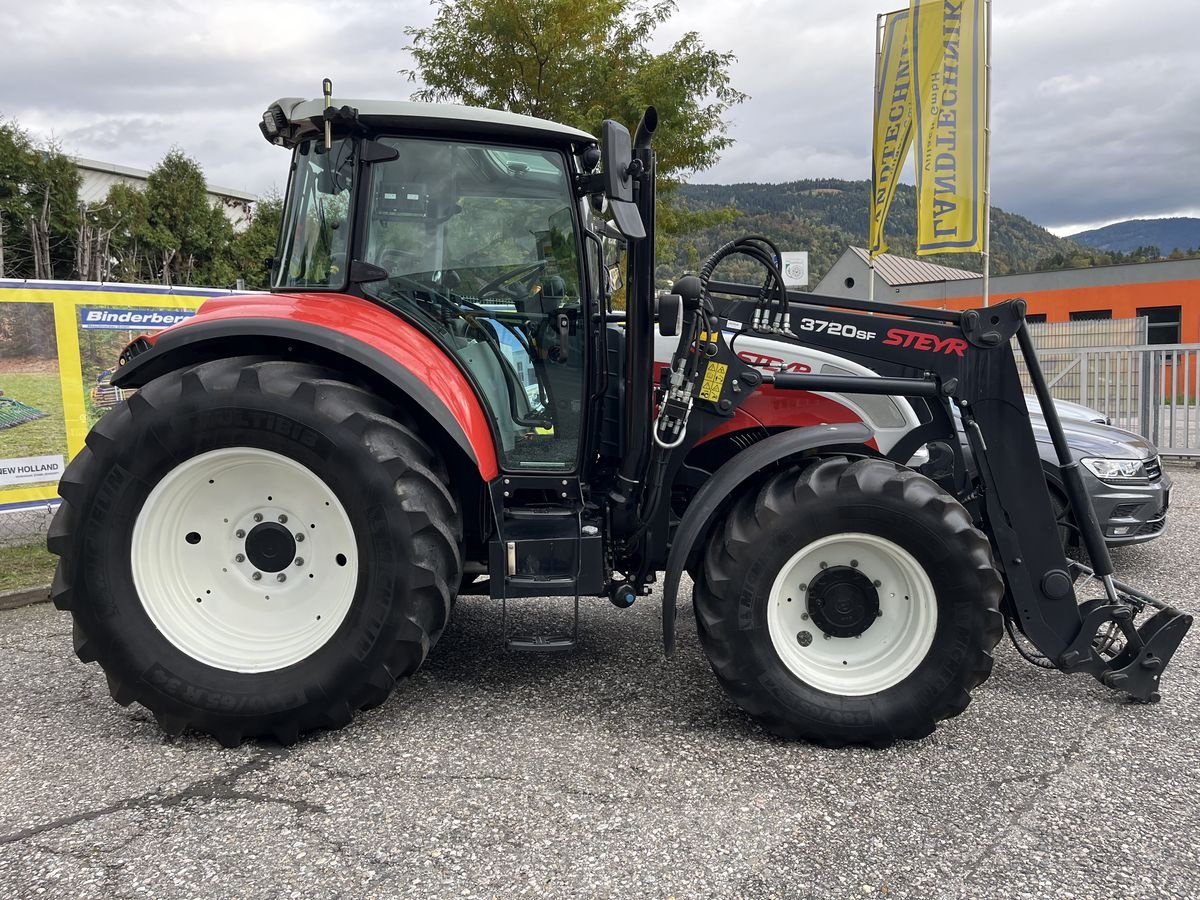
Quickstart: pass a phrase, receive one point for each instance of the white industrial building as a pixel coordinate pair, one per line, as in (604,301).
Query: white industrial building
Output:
(97,177)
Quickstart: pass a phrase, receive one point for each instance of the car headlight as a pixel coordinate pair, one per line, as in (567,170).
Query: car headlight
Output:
(1116,469)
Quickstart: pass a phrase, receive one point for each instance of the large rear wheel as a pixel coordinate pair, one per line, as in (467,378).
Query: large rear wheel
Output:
(255,548)
(849,602)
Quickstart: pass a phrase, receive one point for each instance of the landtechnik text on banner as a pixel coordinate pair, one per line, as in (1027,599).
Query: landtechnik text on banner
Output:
(893,130)
(948,52)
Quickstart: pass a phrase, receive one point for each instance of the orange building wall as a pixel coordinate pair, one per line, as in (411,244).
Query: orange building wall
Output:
(1124,300)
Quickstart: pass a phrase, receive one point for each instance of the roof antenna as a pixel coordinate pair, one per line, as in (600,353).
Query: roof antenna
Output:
(327,90)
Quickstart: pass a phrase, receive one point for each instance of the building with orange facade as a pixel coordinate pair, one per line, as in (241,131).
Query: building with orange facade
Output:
(1166,292)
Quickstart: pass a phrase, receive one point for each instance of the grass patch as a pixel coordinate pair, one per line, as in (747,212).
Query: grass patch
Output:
(25,567)
(43,437)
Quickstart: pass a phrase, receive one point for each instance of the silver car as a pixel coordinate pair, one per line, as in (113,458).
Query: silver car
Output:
(1122,472)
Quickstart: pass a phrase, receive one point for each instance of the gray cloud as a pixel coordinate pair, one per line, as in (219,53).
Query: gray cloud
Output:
(1096,105)
(1096,109)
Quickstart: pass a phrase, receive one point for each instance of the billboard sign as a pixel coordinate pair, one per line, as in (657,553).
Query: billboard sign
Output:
(59,343)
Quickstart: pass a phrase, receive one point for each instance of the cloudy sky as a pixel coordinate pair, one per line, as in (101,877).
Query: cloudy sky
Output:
(1096,104)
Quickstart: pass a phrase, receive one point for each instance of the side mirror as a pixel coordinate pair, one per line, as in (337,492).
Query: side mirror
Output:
(616,154)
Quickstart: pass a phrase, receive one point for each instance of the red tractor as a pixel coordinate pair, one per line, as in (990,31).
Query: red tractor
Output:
(272,531)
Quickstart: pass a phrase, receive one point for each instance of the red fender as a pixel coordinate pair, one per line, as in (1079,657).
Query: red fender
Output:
(355,328)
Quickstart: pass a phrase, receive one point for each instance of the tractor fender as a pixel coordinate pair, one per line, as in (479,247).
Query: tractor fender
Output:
(715,493)
(328,329)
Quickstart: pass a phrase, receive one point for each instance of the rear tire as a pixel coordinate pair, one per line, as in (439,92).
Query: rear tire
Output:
(255,548)
(849,603)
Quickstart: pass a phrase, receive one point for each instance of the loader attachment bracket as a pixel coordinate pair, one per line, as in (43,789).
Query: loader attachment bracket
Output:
(1137,668)
(993,326)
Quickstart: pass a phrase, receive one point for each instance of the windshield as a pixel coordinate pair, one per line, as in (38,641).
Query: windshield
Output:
(480,243)
(316,234)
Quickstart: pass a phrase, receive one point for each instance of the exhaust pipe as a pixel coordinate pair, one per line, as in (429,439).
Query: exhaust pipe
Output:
(645,130)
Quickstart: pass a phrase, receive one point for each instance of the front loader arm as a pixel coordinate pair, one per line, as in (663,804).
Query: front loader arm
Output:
(939,357)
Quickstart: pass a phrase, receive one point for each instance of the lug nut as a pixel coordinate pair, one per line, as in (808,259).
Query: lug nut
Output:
(282,519)
(241,557)
(854,563)
(239,533)
(256,576)
(299,537)
(877,583)
(299,560)
(258,517)
(824,565)
(281,577)
(827,637)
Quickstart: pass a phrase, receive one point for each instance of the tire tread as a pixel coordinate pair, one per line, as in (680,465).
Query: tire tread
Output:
(422,489)
(749,524)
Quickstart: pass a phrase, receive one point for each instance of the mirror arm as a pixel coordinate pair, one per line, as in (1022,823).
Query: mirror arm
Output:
(589,185)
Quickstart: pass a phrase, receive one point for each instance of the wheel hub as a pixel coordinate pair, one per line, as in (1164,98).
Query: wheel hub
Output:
(270,547)
(843,602)
(273,541)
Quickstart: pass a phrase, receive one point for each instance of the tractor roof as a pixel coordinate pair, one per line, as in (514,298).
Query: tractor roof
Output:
(305,115)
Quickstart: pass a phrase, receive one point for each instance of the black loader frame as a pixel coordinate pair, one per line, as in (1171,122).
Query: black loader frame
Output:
(936,358)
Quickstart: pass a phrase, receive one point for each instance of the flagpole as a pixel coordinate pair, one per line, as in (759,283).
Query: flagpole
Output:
(871,206)
(987,156)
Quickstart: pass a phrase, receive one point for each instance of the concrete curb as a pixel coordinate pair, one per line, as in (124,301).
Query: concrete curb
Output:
(24,597)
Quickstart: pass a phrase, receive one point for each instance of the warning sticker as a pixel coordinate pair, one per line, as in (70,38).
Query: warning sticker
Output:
(714,380)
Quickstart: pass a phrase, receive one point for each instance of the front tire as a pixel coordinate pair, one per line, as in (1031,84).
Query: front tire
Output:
(255,548)
(849,602)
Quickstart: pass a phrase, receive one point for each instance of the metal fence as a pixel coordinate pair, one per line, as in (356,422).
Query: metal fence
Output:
(1150,389)
(26,525)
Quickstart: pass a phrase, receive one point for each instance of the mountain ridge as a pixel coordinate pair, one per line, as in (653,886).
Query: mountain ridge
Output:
(826,215)
(1168,235)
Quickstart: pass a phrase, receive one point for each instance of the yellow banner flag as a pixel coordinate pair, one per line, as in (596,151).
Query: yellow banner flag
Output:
(946,38)
(893,121)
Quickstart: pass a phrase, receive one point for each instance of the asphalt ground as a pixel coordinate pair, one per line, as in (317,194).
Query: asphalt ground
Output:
(610,773)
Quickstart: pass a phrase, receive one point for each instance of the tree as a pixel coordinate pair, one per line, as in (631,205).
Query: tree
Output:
(254,246)
(17,156)
(188,235)
(170,232)
(579,62)
(124,216)
(55,184)
(39,206)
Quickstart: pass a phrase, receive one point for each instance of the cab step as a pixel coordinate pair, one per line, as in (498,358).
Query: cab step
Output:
(548,642)
(558,642)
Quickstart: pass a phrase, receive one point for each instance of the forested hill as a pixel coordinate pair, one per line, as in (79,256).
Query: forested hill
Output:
(824,216)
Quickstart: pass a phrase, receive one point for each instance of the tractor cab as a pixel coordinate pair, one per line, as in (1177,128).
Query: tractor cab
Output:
(478,240)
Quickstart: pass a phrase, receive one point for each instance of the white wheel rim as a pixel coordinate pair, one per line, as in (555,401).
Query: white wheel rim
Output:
(203,595)
(888,650)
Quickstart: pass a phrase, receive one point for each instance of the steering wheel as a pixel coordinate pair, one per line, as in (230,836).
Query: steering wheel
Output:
(525,276)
